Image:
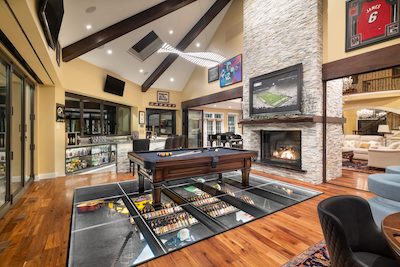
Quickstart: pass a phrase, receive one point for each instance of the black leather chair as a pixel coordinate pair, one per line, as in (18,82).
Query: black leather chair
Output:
(139,145)
(169,143)
(182,141)
(176,142)
(352,237)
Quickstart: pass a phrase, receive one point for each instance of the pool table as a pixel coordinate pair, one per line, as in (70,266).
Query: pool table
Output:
(185,163)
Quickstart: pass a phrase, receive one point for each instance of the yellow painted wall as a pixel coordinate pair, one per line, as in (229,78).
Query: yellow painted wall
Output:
(351,121)
(334,25)
(227,41)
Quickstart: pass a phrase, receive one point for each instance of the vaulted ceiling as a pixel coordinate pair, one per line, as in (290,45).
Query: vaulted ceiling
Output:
(171,28)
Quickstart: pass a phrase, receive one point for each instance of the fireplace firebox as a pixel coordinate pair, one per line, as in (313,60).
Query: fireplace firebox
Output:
(281,148)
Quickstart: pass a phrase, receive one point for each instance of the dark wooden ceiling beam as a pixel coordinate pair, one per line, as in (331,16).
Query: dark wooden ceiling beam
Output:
(367,62)
(186,41)
(121,28)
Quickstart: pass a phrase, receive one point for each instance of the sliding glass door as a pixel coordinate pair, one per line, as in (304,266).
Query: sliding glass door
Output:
(3,135)
(29,131)
(195,128)
(16,133)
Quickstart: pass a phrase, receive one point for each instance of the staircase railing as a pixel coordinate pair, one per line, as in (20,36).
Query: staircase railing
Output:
(388,83)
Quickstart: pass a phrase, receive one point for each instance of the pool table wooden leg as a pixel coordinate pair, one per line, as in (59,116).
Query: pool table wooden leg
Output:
(245,177)
(141,180)
(156,196)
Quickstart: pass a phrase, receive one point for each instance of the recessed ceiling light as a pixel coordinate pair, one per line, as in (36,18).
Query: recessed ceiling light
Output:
(171,32)
(90,9)
(88,27)
(197,44)
(171,79)
(109,51)
(215,106)
(141,70)
(229,107)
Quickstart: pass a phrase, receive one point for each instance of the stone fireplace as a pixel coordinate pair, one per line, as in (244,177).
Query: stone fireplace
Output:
(278,35)
(281,148)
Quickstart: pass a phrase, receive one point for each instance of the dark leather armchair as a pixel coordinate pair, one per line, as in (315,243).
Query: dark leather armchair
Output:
(182,141)
(352,237)
(176,142)
(169,143)
(139,145)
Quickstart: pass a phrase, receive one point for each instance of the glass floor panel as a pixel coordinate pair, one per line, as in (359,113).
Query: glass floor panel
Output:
(116,244)
(225,213)
(88,193)
(178,229)
(96,212)
(149,210)
(289,191)
(258,199)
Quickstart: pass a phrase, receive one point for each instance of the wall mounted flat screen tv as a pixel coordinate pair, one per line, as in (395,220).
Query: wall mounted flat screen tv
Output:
(277,92)
(114,86)
(51,13)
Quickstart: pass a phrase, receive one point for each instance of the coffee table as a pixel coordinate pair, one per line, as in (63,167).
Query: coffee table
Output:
(391,231)
(348,154)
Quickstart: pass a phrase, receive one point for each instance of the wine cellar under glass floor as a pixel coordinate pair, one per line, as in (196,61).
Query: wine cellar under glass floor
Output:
(113,224)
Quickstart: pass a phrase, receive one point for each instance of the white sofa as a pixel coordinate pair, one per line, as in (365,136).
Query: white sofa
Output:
(383,157)
(360,144)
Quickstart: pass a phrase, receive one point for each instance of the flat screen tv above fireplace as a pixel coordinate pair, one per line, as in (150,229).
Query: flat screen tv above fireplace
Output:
(277,92)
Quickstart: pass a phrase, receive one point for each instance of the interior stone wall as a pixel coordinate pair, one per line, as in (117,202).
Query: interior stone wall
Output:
(334,136)
(279,34)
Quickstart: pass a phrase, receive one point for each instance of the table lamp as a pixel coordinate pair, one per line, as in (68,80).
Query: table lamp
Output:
(384,129)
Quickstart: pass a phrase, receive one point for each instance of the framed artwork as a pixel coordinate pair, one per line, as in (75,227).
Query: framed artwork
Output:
(162,97)
(213,74)
(371,21)
(230,71)
(142,117)
(278,91)
(60,112)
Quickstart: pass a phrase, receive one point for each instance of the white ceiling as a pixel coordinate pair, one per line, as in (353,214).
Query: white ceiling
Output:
(235,104)
(120,61)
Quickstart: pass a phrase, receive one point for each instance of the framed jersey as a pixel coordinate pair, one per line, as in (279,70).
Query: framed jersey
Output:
(371,21)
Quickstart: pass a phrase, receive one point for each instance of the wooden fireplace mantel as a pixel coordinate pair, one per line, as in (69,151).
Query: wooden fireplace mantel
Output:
(292,119)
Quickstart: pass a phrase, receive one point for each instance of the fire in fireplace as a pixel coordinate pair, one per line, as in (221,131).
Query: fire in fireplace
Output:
(281,148)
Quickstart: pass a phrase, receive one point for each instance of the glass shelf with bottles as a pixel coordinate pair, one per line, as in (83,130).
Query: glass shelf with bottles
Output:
(78,159)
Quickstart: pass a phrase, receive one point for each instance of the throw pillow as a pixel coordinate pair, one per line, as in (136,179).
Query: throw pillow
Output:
(395,145)
(349,143)
(374,144)
(364,145)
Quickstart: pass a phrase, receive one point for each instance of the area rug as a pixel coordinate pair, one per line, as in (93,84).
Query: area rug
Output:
(315,256)
(359,165)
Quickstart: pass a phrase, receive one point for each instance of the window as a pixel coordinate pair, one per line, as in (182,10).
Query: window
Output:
(218,127)
(160,122)
(232,123)
(210,127)
(213,123)
(96,116)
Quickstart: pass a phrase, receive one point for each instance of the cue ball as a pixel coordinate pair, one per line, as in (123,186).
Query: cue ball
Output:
(216,150)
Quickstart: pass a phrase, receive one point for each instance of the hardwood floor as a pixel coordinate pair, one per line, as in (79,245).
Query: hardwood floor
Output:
(352,179)
(35,231)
